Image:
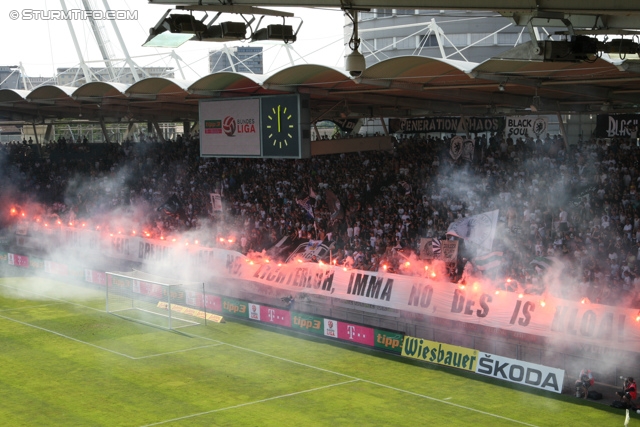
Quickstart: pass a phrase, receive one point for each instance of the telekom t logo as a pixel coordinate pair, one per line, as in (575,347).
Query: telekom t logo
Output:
(271,314)
(351,330)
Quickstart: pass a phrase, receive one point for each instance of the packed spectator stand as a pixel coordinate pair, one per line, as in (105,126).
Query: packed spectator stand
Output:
(577,204)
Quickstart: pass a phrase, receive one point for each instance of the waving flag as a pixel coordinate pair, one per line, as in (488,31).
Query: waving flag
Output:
(216,202)
(334,205)
(488,261)
(437,246)
(307,206)
(478,229)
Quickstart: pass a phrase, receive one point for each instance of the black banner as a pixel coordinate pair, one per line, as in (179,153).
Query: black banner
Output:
(346,125)
(446,124)
(289,248)
(617,125)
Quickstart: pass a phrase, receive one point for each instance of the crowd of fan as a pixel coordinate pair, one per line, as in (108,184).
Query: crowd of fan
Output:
(575,205)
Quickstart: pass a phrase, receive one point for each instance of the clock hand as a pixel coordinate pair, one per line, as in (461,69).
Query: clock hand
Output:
(278,118)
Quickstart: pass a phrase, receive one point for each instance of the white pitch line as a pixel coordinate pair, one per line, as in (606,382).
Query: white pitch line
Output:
(178,351)
(30,306)
(67,337)
(424,396)
(249,403)
(449,403)
(52,298)
(275,357)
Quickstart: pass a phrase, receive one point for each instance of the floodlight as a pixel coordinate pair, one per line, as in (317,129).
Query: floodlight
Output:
(275,32)
(174,30)
(225,31)
(167,40)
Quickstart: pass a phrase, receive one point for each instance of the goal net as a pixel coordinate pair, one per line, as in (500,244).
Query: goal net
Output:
(157,301)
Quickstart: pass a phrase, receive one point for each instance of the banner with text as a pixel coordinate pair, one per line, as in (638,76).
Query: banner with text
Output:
(308,323)
(548,316)
(591,324)
(235,307)
(522,126)
(617,125)
(520,372)
(389,340)
(442,354)
(446,124)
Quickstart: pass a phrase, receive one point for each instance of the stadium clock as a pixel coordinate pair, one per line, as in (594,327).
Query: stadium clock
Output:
(280,122)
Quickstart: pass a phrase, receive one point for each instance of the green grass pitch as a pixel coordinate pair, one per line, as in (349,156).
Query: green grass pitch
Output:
(65,362)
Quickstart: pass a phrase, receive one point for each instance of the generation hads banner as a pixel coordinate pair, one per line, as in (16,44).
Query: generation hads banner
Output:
(446,124)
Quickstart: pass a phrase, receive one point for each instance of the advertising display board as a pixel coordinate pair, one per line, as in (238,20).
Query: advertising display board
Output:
(230,128)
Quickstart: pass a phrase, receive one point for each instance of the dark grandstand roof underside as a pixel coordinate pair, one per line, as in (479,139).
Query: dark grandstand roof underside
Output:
(398,87)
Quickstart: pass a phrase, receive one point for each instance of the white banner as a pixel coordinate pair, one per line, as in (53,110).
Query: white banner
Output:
(550,317)
(520,372)
(522,126)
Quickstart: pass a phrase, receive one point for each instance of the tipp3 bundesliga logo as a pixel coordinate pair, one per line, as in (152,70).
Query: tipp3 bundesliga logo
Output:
(231,126)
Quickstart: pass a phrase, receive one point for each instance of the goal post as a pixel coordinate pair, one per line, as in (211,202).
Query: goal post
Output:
(156,301)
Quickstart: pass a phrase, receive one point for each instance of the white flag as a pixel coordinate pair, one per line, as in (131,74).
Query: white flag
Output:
(478,229)
(216,202)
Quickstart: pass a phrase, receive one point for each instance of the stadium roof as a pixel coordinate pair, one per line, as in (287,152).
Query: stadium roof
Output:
(410,86)
(520,81)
